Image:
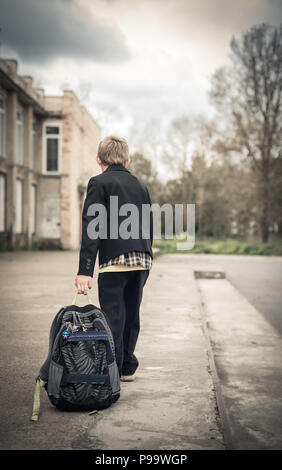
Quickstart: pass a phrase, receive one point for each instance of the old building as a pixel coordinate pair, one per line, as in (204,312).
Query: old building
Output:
(48,146)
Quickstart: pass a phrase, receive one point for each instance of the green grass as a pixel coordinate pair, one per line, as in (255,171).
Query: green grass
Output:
(229,246)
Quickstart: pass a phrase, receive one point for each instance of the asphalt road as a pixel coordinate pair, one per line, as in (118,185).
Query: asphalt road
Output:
(258,278)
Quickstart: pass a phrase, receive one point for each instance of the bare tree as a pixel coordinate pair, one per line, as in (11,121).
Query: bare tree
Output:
(143,168)
(248,95)
(177,149)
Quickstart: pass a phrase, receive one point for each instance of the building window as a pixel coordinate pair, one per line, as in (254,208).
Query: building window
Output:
(52,148)
(34,143)
(2,202)
(2,125)
(19,206)
(20,135)
(33,209)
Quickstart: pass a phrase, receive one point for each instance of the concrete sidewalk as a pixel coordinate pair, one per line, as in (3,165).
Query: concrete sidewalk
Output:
(247,352)
(172,404)
(248,357)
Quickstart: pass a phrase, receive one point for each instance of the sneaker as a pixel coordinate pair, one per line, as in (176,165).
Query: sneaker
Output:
(127,378)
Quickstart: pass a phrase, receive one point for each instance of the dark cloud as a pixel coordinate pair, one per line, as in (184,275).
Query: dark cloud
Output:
(201,17)
(40,31)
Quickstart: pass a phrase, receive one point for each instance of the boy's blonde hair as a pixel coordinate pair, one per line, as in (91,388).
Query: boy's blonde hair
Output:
(113,150)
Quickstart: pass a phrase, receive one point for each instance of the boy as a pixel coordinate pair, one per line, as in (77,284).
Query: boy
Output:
(124,260)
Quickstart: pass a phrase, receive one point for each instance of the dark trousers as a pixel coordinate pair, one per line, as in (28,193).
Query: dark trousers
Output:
(120,295)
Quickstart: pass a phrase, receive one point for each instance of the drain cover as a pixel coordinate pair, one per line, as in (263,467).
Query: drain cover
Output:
(209,274)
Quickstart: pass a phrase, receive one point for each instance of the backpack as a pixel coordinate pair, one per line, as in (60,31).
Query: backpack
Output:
(80,372)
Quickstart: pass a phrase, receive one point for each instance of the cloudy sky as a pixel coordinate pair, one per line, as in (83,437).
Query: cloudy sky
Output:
(143,61)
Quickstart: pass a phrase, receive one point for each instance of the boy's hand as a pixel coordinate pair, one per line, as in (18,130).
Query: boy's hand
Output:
(83,283)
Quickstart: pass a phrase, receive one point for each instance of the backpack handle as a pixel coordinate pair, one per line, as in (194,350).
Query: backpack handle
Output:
(75,297)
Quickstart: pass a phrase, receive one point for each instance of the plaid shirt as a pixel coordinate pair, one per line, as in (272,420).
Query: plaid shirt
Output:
(133,258)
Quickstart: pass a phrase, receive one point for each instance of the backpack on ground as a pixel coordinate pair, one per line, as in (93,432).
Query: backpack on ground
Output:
(80,372)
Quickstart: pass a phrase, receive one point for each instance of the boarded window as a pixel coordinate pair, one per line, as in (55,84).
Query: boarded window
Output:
(2,126)
(19,206)
(20,135)
(2,202)
(33,209)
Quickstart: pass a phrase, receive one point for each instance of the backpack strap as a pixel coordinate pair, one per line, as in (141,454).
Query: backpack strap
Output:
(87,379)
(36,401)
(88,298)
(55,327)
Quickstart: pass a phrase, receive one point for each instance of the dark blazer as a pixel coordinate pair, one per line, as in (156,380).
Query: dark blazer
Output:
(114,181)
